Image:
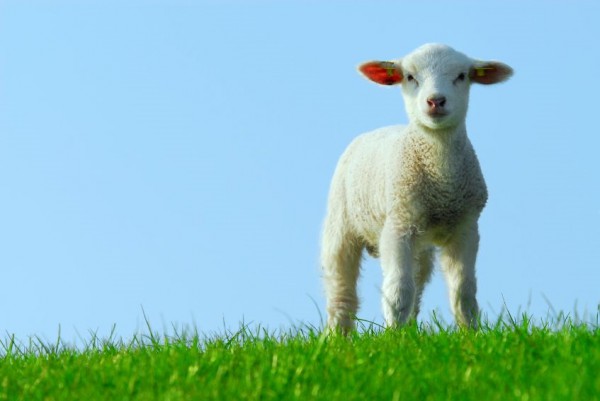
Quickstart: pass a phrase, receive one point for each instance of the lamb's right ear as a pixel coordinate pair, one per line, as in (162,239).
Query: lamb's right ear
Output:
(382,72)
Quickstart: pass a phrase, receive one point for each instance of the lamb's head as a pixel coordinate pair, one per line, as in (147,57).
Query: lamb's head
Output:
(435,82)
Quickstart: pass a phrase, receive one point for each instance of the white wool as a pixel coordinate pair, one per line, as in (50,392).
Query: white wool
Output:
(400,191)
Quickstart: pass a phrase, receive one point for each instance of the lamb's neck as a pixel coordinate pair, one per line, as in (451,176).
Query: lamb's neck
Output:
(439,151)
(442,141)
(444,136)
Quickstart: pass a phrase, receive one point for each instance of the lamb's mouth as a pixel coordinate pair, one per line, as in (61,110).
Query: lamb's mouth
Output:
(437,114)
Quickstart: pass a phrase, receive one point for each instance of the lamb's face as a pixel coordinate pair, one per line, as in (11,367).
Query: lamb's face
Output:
(435,83)
(436,86)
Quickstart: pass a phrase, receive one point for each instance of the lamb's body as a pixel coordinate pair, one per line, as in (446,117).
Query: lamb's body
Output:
(419,180)
(398,192)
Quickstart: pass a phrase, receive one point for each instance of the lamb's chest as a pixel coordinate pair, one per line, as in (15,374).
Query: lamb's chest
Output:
(445,200)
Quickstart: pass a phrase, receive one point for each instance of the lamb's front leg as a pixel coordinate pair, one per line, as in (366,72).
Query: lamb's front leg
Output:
(398,289)
(458,263)
(423,268)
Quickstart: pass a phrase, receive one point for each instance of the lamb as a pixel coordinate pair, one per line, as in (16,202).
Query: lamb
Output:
(402,191)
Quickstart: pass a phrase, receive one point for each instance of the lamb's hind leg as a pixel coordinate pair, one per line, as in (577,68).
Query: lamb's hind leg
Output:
(340,260)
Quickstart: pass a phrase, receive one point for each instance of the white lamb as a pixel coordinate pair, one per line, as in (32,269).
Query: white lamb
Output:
(399,191)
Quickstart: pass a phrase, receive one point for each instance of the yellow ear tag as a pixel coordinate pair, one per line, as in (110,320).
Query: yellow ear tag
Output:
(389,68)
(481,71)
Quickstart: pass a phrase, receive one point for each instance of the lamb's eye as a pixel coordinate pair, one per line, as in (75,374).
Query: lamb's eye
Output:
(411,78)
(461,77)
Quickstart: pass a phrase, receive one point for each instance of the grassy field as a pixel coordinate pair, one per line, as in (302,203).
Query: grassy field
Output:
(506,360)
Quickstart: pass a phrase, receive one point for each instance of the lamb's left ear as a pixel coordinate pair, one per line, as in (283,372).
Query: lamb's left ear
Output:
(382,72)
(490,72)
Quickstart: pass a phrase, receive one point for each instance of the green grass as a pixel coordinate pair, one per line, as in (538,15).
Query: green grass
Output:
(505,360)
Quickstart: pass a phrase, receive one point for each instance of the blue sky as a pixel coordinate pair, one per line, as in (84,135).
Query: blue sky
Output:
(176,156)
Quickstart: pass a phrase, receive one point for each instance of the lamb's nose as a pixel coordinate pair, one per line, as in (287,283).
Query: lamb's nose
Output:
(436,102)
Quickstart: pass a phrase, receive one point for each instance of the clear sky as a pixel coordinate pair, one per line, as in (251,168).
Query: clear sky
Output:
(175,156)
